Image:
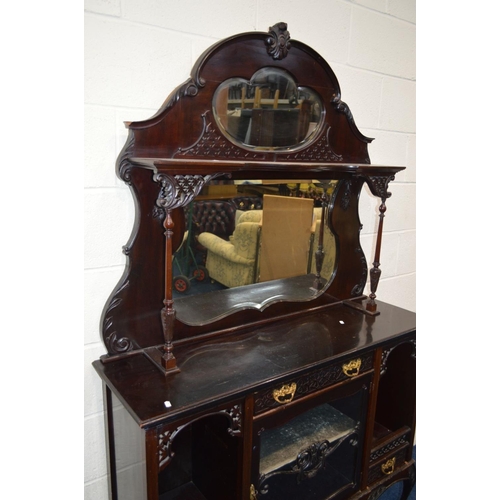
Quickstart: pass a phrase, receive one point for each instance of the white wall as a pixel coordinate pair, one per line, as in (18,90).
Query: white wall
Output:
(138,51)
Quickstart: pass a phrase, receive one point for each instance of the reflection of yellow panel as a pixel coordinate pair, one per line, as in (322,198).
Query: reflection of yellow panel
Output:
(285,237)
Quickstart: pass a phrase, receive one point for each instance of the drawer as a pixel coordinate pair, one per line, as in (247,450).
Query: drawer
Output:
(387,465)
(296,388)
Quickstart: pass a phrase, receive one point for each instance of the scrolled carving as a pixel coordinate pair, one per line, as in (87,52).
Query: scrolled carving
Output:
(308,462)
(123,164)
(385,357)
(357,290)
(342,107)
(346,196)
(165,440)
(234,414)
(158,213)
(311,460)
(113,343)
(166,436)
(278,42)
(189,88)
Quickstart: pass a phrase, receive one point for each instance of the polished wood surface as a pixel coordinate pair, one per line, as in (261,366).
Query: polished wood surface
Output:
(231,367)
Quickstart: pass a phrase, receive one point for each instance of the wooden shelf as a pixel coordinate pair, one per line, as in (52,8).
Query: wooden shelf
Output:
(280,446)
(187,491)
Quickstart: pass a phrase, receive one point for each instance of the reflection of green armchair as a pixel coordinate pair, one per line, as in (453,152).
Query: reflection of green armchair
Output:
(233,262)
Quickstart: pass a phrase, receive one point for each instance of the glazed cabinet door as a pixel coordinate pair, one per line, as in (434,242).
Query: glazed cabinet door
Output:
(311,448)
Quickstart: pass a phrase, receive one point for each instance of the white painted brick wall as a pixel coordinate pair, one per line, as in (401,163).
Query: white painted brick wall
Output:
(138,51)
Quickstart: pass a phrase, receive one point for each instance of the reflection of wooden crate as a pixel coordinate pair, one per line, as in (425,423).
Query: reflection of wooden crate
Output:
(285,237)
(219,190)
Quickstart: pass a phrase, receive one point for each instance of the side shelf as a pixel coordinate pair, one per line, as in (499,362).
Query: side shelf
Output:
(325,425)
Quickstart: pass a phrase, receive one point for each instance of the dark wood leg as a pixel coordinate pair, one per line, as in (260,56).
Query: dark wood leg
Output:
(409,483)
(110,440)
(152,466)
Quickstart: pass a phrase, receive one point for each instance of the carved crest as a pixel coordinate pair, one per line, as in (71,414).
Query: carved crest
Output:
(278,41)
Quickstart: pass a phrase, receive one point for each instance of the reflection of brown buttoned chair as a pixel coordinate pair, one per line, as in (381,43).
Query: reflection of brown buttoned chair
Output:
(214,216)
(233,263)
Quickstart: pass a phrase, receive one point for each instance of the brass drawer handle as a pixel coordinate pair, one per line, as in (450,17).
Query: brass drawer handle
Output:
(388,467)
(285,394)
(253,493)
(351,369)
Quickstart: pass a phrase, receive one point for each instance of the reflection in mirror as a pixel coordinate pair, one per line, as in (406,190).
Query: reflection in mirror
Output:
(269,112)
(251,243)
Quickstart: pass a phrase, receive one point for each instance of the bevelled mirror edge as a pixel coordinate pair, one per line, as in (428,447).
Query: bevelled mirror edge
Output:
(257,243)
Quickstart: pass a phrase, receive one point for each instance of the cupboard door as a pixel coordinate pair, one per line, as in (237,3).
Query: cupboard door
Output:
(313,450)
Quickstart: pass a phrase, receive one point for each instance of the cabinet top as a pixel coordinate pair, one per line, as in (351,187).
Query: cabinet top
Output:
(225,369)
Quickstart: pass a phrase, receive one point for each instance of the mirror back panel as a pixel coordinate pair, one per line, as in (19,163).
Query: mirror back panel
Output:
(257,106)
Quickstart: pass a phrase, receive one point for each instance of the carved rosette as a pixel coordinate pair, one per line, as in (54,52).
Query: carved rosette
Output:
(278,42)
(311,460)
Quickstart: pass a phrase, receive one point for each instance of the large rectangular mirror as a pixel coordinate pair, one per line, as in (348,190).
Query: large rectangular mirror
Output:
(248,244)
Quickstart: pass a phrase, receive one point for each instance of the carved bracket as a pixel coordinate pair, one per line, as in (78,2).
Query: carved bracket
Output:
(378,185)
(179,190)
(386,353)
(166,438)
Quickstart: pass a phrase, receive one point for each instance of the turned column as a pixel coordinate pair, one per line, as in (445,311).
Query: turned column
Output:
(168,312)
(378,187)
(176,191)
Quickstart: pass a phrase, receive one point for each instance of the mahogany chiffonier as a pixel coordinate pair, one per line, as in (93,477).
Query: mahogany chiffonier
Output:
(293,385)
